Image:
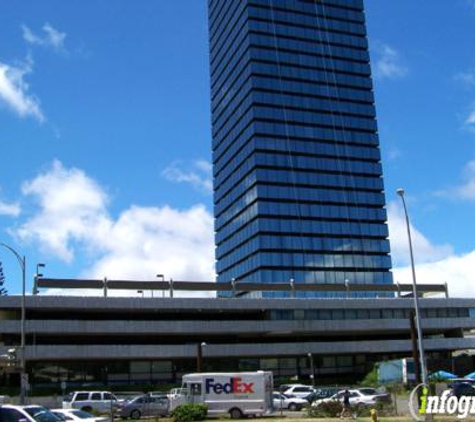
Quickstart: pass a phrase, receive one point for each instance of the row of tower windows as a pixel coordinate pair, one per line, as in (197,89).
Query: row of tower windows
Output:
(315,261)
(308,276)
(228,223)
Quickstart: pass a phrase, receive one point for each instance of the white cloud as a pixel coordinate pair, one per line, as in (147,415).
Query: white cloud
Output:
(456,271)
(394,153)
(145,241)
(10,209)
(467,189)
(424,250)
(72,207)
(470,120)
(464,191)
(14,90)
(388,63)
(140,243)
(466,78)
(198,173)
(51,37)
(435,264)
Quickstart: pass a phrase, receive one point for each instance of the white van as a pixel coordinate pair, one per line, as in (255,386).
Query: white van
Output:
(233,393)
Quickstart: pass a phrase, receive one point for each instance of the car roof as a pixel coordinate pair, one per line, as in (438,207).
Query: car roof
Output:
(351,390)
(297,385)
(63,410)
(90,391)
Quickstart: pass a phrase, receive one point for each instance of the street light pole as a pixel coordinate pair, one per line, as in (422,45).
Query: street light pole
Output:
(312,368)
(400,192)
(162,277)
(22,262)
(37,276)
(199,355)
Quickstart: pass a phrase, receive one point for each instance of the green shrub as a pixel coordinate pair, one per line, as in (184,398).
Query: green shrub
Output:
(190,412)
(333,408)
(326,409)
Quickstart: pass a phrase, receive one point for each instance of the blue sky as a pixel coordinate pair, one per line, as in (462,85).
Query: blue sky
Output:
(105,136)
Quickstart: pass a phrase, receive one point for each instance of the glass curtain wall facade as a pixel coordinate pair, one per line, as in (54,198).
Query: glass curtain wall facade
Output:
(298,187)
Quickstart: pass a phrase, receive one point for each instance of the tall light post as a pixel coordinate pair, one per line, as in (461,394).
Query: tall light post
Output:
(312,368)
(161,277)
(422,358)
(37,276)
(22,262)
(199,355)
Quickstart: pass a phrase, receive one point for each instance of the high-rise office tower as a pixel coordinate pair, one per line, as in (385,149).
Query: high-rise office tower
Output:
(298,185)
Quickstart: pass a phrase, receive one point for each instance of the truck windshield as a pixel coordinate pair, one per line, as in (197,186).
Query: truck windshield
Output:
(195,388)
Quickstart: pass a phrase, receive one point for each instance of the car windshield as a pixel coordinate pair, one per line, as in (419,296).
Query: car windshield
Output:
(81,414)
(40,414)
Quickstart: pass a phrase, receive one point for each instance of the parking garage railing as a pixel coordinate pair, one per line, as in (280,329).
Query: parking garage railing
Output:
(237,288)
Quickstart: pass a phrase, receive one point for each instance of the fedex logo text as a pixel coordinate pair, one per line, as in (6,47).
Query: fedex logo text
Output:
(234,386)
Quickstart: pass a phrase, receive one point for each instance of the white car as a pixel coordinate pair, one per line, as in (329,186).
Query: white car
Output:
(299,390)
(281,401)
(76,415)
(357,397)
(31,413)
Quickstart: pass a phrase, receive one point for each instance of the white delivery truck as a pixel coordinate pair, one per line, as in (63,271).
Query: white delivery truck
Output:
(233,393)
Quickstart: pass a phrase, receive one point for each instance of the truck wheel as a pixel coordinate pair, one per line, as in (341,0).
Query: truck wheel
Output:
(235,413)
(293,407)
(86,409)
(135,414)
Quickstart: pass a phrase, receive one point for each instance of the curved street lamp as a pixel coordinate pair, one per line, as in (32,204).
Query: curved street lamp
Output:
(22,262)
(422,358)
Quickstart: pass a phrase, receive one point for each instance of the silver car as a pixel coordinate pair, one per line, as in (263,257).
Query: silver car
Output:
(281,401)
(145,405)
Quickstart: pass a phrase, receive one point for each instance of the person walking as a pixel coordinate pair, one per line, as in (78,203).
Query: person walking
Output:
(346,411)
